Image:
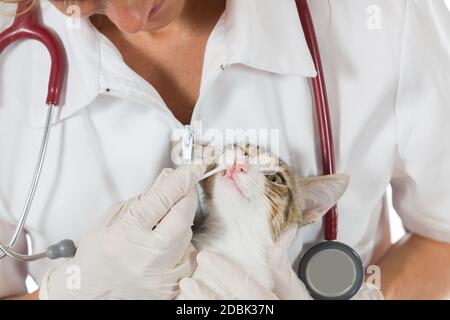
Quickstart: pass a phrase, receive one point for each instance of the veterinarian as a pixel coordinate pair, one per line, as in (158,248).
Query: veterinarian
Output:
(138,70)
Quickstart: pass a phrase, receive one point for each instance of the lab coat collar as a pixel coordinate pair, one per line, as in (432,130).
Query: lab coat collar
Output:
(95,67)
(260,34)
(82,79)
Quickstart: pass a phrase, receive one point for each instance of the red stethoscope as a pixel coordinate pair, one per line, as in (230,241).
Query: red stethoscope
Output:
(27,25)
(330,269)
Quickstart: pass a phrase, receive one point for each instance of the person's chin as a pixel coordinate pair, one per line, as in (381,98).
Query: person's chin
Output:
(162,18)
(154,26)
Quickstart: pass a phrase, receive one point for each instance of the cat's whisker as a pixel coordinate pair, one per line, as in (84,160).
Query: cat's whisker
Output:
(220,168)
(252,185)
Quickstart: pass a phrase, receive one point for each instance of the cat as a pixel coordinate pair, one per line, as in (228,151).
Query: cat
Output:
(251,204)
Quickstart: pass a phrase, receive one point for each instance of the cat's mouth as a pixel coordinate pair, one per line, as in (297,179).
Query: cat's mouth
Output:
(236,186)
(231,177)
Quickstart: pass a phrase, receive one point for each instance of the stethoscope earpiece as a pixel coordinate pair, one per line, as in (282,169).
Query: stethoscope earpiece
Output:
(331,270)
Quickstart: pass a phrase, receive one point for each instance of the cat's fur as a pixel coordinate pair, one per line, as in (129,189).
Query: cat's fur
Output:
(246,216)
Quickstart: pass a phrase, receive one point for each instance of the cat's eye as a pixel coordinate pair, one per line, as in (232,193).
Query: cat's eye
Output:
(276,178)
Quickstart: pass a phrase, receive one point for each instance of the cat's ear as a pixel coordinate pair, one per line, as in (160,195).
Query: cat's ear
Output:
(317,195)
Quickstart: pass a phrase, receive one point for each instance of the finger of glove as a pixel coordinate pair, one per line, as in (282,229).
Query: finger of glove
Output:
(287,285)
(191,289)
(179,219)
(169,253)
(368,292)
(170,187)
(235,281)
(163,281)
(123,211)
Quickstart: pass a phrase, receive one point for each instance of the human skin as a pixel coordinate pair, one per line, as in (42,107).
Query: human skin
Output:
(413,268)
(416,268)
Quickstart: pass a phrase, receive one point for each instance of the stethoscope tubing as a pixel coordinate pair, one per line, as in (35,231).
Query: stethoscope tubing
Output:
(7,250)
(330,245)
(27,25)
(322,112)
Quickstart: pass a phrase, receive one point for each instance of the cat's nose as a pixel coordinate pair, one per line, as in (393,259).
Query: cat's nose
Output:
(235,169)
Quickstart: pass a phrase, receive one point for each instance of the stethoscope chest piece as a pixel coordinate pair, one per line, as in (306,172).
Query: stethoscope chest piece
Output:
(331,270)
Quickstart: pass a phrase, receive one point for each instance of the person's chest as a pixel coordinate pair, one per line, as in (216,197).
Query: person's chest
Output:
(173,67)
(171,59)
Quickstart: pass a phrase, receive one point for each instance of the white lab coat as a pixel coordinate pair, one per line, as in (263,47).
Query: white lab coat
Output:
(390,106)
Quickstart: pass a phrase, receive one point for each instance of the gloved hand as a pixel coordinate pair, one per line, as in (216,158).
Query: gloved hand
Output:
(236,283)
(140,249)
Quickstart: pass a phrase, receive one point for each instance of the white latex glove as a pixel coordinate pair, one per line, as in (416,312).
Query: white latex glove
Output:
(140,249)
(235,283)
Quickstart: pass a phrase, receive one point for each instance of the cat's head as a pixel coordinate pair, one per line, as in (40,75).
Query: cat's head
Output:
(259,190)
